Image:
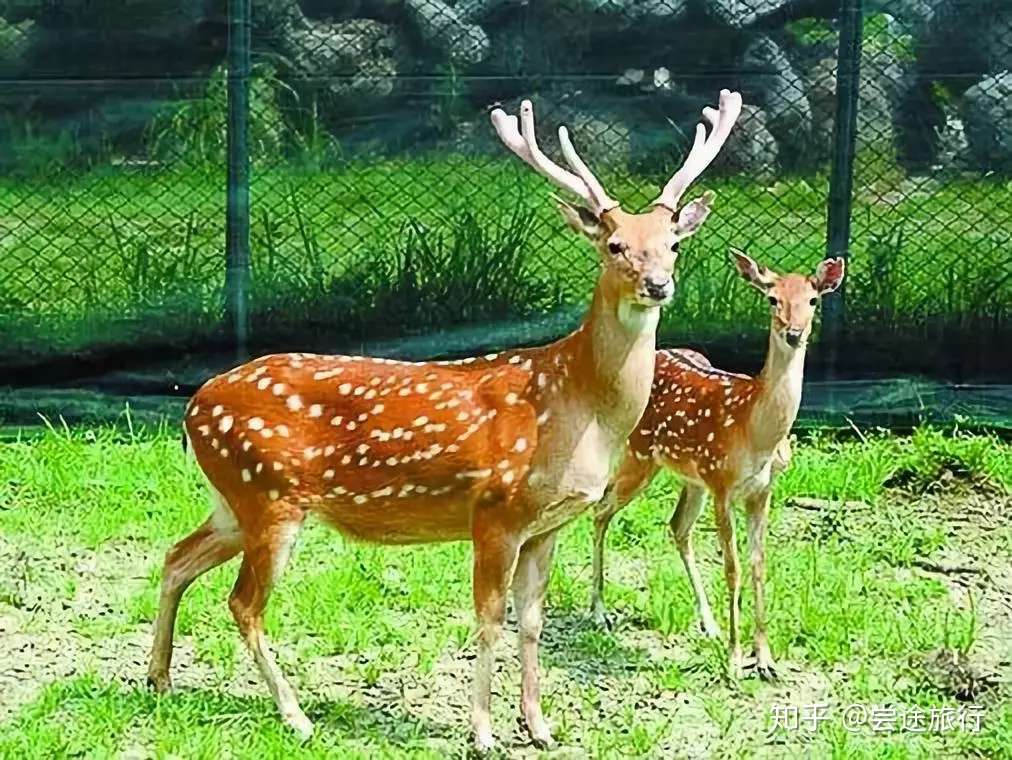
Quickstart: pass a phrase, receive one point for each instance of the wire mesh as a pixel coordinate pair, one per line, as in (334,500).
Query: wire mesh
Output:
(382,204)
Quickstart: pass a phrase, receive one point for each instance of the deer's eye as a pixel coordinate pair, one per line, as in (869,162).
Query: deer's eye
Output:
(615,248)
(773,300)
(814,301)
(674,247)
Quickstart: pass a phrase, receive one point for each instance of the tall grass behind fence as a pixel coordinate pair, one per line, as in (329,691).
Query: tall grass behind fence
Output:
(382,204)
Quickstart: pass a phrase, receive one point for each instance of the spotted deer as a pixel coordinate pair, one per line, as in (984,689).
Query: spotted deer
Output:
(501,449)
(726,434)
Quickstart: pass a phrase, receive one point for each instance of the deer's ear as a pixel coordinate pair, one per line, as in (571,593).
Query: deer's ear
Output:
(581,219)
(692,215)
(829,275)
(751,271)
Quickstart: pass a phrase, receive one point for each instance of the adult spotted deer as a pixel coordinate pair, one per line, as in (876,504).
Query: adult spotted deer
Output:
(501,449)
(726,434)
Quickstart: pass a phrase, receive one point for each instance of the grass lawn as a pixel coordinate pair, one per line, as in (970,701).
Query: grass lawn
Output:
(869,601)
(125,255)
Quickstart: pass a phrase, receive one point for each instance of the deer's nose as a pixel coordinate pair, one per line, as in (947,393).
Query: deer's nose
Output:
(659,288)
(793,337)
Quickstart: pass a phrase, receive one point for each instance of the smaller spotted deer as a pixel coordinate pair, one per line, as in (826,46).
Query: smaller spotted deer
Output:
(727,434)
(501,450)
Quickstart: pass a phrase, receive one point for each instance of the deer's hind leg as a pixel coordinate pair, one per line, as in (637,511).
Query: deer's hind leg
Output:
(265,553)
(214,542)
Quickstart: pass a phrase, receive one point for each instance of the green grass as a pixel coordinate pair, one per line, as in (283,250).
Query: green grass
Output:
(360,628)
(132,256)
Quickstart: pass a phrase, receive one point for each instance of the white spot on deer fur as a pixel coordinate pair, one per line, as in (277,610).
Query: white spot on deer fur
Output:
(337,421)
(512,398)
(484,473)
(226,423)
(246,475)
(255,423)
(507,477)
(247,445)
(363,462)
(709,436)
(462,416)
(195,411)
(346,459)
(267,433)
(378,409)
(259,468)
(339,490)
(419,421)
(328,474)
(344,389)
(391,461)
(379,494)
(329,450)
(234,377)
(544,416)
(421,388)
(278,389)
(397,432)
(273,495)
(205,430)
(351,425)
(503,464)
(217,410)
(278,467)
(359,390)
(728,422)
(326,374)
(283,431)
(520,445)
(435,395)
(515,359)
(316,410)
(224,453)
(363,417)
(360,498)
(491,357)
(526,366)
(311,452)
(294,403)
(264,383)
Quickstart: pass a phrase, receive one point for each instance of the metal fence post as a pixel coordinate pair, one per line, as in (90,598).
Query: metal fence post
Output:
(841,181)
(237,271)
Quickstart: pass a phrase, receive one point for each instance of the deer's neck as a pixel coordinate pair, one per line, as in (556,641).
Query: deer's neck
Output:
(779,397)
(612,360)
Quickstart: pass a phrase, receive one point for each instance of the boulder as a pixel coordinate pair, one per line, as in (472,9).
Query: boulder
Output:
(740,14)
(751,150)
(444,29)
(770,81)
(877,105)
(987,120)
(352,63)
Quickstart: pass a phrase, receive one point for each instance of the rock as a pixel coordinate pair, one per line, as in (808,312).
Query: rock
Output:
(353,63)
(744,13)
(987,119)
(959,43)
(751,150)
(770,81)
(876,111)
(443,29)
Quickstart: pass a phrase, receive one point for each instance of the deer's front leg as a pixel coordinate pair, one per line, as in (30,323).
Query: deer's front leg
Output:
(757,507)
(732,575)
(529,584)
(495,558)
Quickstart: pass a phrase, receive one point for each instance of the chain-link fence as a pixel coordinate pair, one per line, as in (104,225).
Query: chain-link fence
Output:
(382,206)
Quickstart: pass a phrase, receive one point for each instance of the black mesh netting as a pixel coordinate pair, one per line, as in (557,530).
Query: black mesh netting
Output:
(386,216)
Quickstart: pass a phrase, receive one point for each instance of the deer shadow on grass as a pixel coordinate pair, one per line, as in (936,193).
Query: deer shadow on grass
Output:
(338,719)
(573,642)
